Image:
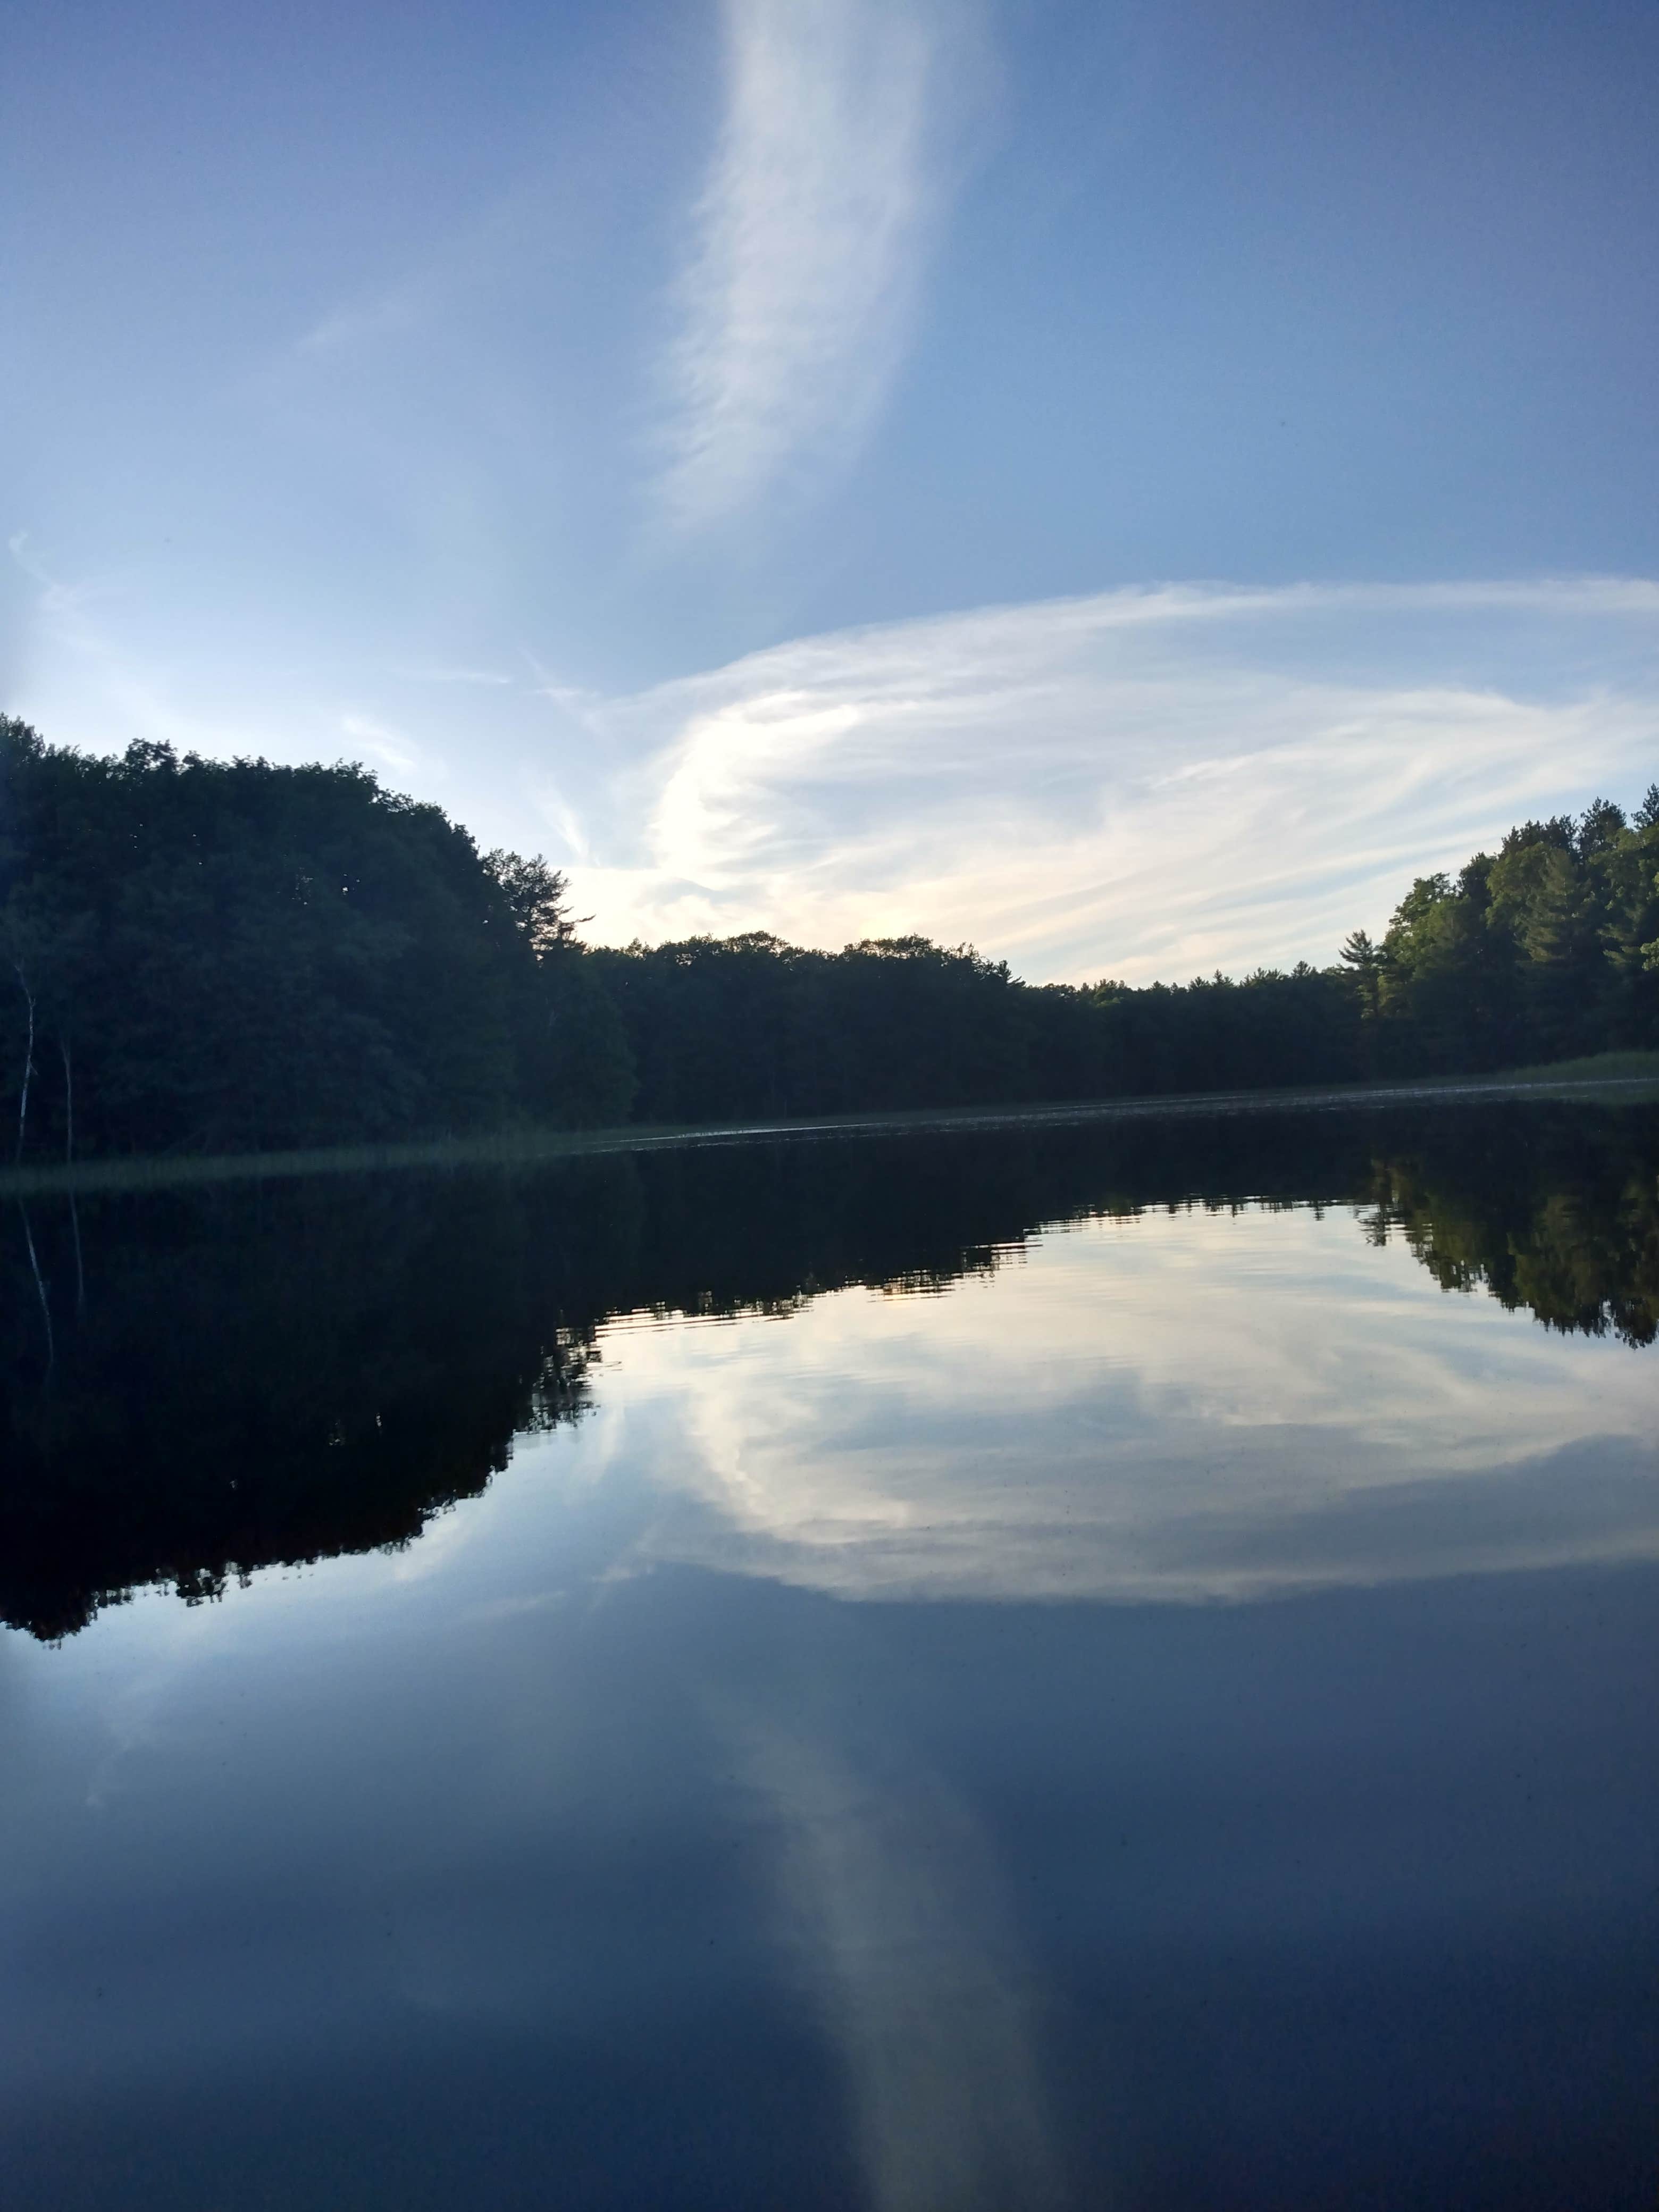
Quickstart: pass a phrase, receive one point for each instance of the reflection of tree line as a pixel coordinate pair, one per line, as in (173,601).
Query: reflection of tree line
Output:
(1574,1240)
(201,1383)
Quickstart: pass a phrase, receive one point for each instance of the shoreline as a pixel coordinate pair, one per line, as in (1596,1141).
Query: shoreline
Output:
(529,1148)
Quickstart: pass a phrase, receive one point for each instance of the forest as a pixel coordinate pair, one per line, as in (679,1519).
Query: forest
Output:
(206,956)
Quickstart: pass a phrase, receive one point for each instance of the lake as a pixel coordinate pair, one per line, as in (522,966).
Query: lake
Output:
(1108,1665)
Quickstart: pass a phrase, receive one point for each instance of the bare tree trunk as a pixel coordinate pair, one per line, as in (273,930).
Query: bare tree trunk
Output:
(68,1161)
(40,1288)
(80,1264)
(28,1069)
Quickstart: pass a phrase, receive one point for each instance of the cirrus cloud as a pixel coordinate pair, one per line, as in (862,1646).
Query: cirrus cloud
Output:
(1140,783)
(808,243)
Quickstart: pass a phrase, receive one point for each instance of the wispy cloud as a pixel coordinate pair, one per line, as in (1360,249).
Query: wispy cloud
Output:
(488,678)
(392,748)
(60,610)
(1142,783)
(102,691)
(810,240)
(391,313)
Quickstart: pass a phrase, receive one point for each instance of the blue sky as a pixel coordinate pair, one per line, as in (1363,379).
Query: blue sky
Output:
(1128,486)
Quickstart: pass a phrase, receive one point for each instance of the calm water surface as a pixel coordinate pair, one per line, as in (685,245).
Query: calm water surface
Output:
(1088,1669)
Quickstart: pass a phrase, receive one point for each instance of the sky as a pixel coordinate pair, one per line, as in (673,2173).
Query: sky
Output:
(1127,486)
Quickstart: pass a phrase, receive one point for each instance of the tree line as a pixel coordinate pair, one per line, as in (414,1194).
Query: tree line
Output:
(208,954)
(212,955)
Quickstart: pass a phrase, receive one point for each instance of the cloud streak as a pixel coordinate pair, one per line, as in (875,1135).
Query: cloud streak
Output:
(1142,783)
(1139,783)
(810,240)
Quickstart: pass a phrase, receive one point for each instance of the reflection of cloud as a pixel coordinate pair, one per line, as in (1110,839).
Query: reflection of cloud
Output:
(894,1903)
(811,233)
(1141,783)
(1166,1409)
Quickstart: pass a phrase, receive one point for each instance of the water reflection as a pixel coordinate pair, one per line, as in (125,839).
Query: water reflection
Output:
(568,1837)
(892,1900)
(1202,1407)
(199,1386)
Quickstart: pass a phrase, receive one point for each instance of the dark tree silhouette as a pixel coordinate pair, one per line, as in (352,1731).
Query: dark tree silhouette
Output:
(229,955)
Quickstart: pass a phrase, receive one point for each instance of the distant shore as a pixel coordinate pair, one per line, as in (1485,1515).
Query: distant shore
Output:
(1614,1078)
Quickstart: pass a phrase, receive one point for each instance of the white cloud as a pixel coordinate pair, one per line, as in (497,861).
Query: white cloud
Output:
(810,240)
(1142,783)
(1139,783)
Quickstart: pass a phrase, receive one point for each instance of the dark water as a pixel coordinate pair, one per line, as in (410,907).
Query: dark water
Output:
(1084,1668)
